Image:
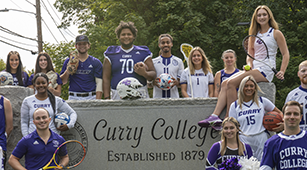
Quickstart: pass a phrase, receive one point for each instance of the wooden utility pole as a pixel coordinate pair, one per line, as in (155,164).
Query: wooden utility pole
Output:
(39,26)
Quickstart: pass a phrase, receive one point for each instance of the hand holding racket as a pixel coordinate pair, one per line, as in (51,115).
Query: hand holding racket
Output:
(264,58)
(72,149)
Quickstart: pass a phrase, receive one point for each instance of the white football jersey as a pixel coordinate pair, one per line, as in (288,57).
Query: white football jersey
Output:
(299,94)
(200,82)
(251,115)
(172,66)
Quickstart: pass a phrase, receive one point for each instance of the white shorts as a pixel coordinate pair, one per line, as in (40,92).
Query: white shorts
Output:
(81,96)
(143,90)
(256,142)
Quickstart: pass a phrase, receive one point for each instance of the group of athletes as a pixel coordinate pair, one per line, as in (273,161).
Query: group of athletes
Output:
(236,90)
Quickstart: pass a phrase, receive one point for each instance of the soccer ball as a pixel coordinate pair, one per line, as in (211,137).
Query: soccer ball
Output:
(165,81)
(61,119)
(6,78)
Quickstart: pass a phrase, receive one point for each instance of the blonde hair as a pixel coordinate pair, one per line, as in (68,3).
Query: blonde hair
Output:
(205,63)
(224,139)
(241,94)
(304,63)
(229,51)
(255,26)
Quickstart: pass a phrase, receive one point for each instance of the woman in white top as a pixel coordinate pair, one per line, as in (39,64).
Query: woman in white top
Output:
(44,98)
(264,25)
(201,77)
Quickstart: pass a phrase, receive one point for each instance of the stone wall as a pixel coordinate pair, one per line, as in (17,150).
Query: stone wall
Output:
(138,134)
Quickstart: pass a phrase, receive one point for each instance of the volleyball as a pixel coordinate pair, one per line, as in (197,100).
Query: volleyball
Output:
(61,119)
(6,78)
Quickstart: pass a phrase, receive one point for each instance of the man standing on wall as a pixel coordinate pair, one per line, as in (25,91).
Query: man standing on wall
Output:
(125,61)
(86,82)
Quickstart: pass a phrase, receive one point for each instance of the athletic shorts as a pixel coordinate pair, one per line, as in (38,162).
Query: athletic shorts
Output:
(266,72)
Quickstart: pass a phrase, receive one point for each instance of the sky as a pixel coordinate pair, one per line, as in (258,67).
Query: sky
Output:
(25,24)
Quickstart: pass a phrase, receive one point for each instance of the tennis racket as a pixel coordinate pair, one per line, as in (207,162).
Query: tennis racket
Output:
(259,44)
(186,49)
(76,153)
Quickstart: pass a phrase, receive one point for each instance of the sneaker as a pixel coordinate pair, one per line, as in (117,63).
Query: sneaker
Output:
(217,128)
(210,121)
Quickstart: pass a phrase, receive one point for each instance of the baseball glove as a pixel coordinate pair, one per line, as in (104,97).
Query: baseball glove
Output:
(73,62)
(52,76)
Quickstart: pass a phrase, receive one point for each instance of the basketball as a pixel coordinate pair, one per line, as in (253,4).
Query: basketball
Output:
(61,119)
(270,120)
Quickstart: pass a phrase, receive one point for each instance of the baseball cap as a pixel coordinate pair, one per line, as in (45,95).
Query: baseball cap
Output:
(82,38)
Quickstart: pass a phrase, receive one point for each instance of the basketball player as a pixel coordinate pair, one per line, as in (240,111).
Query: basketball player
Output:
(299,94)
(249,110)
(287,150)
(126,60)
(86,83)
(167,63)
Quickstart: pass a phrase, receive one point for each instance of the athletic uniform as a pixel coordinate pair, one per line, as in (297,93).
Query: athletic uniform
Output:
(82,84)
(2,132)
(58,80)
(37,153)
(285,152)
(122,63)
(299,94)
(200,82)
(172,66)
(225,76)
(215,157)
(250,118)
(260,54)
(31,103)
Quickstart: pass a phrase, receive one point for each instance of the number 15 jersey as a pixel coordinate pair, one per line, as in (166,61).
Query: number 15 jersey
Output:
(122,62)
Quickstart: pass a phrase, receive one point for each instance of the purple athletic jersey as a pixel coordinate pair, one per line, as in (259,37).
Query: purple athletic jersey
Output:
(225,76)
(84,79)
(2,124)
(285,152)
(25,78)
(122,62)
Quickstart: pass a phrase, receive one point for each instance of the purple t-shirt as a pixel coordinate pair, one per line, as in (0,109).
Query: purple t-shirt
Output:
(122,62)
(37,153)
(84,79)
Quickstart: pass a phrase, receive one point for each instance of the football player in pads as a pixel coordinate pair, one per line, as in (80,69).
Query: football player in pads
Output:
(126,60)
(86,83)
(299,94)
(288,149)
(167,63)
(249,110)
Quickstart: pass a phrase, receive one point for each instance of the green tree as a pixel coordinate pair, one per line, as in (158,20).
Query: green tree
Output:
(212,25)
(2,65)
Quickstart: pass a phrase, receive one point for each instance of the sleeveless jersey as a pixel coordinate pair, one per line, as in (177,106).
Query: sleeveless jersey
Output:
(2,124)
(285,152)
(251,115)
(225,76)
(260,54)
(299,94)
(200,82)
(122,62)
(214,155)
(172,66)
(84,79)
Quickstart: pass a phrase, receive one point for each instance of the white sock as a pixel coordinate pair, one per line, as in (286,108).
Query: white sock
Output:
(214,115)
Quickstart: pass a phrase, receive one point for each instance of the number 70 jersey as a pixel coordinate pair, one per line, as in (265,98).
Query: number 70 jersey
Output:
(299,94)
(122,62)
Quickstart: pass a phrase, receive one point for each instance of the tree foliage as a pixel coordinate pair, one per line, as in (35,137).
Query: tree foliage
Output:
(212,25)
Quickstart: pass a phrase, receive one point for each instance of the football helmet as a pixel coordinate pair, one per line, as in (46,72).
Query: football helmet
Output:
(128,88)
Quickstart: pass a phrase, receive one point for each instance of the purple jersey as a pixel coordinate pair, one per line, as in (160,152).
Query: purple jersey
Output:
(58,80)
(122,62)
(25,78)
(84,79)
(214,156)
(285,152)
(37,153)
(2,124)
(225,76)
